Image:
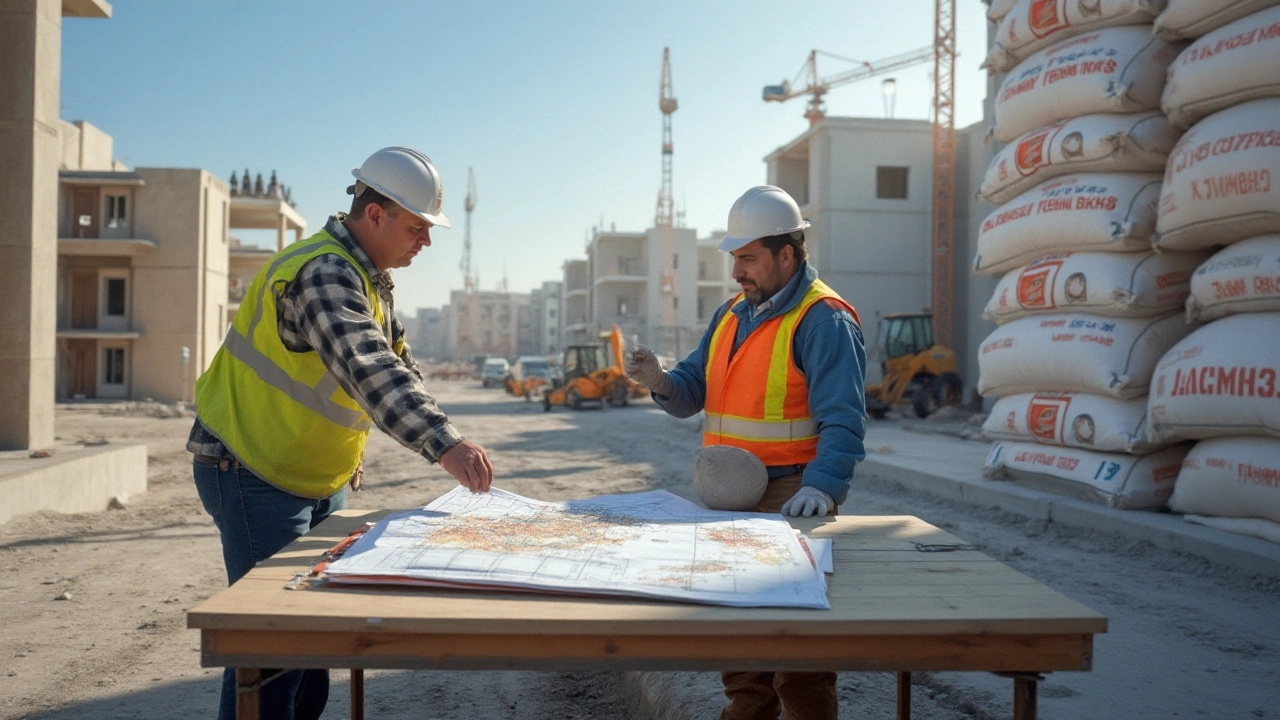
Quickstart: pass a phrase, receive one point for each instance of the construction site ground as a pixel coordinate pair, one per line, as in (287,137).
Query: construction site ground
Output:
(94,605)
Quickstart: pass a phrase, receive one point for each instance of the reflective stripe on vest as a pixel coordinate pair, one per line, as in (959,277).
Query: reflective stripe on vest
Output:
(282,413)
(767,412)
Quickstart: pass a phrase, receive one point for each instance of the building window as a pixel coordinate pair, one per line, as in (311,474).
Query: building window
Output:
(891,182)
(622,307)
(675,303)
(115,297)
(675,261)
(113,366)
(702,269)
(116,211)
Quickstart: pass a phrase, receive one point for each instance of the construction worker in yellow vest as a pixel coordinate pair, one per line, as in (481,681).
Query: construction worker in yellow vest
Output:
(314,358)
(780,372)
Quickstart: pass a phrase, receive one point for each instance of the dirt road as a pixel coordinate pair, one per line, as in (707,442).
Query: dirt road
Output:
(1187,640)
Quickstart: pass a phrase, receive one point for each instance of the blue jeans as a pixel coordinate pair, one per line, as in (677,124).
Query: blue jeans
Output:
(256,520)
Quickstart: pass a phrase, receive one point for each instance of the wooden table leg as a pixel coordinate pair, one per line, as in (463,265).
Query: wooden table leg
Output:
(248,693)
(1024,697)
(357,694)
(904,696)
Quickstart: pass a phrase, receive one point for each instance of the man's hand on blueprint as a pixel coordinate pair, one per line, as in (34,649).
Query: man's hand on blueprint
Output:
(468,462)
(809,501)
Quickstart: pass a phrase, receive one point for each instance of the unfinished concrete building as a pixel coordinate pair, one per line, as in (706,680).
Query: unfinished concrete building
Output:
(148,274)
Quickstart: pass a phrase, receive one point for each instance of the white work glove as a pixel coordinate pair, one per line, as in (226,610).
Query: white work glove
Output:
(644,368)
(809,501)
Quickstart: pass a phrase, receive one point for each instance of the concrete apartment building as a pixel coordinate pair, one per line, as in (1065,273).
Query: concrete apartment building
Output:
(625,286)
(148,276)
(485,323)
(866,186)
(620,282)
(575,303)
(546,302)
(426,333)
(714,278)
(141,276)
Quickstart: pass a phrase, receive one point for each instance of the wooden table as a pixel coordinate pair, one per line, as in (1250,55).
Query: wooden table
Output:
(905,597)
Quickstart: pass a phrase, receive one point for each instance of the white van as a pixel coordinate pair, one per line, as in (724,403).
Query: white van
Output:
(494,371)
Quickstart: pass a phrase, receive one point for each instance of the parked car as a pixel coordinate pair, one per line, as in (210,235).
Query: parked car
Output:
(494,372)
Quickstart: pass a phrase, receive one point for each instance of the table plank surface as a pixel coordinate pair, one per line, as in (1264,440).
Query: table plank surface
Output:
(893,607)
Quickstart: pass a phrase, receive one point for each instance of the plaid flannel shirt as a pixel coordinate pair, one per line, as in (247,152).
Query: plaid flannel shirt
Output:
(326,311)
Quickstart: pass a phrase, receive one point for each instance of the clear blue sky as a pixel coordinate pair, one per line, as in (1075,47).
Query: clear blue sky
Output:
(554,103)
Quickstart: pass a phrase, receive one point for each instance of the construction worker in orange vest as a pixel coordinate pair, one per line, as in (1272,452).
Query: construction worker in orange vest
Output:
(780,373)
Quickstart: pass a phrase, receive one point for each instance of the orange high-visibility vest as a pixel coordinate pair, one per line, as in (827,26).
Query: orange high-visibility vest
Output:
(758,400)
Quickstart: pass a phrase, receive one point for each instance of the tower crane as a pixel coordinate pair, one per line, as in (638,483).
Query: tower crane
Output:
(944,166)
(943,54)
(468,280)
(664,216)
(816,86)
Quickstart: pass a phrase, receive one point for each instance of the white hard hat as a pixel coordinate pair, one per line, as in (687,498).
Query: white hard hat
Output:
(762,211)
(406,177)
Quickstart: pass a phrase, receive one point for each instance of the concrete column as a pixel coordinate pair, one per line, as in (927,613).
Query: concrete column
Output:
(31,54)
(282,226)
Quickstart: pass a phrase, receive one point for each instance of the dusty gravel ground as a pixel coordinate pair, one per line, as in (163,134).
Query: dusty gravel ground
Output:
(1187,640)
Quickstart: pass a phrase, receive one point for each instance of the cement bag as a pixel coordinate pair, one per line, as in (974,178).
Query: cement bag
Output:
(1076,353)
(1090,422)
(1129,482)
(1193,18)
(1093,143)
(999,8)
(1233,64)
(1032,24)
(1255,527)
(1235,477)
(1223,180)
(1116,70)
(1110,212)
(1108,284)
(1241,278)
(1221,380)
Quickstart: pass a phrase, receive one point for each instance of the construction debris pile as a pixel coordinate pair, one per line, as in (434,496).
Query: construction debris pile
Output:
(1108,270)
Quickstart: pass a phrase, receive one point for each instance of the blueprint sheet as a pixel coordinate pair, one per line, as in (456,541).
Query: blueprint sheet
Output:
(652,544)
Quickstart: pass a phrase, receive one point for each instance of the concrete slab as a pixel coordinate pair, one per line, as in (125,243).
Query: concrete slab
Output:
(72,479)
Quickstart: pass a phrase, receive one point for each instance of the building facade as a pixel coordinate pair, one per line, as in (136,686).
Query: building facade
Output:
(576,326)
(142,273)
(549,314)
(425,333)
(148,277)
(485,323)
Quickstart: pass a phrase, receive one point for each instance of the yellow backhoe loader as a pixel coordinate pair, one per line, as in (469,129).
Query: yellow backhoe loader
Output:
(916,372)
(593,374)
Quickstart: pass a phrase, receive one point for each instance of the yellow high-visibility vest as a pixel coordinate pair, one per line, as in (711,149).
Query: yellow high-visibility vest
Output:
(282,413)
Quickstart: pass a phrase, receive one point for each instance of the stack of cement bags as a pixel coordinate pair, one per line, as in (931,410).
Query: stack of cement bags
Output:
(1085,307)
(1221,384)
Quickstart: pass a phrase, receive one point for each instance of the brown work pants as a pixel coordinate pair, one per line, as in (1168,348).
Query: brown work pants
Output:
(761,695)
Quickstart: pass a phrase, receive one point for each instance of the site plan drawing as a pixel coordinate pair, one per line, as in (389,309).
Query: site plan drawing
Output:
(651,544)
